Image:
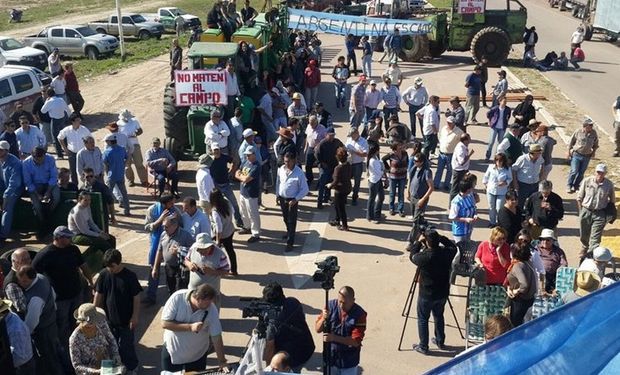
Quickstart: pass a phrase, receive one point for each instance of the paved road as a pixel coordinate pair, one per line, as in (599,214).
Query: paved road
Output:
(594,88)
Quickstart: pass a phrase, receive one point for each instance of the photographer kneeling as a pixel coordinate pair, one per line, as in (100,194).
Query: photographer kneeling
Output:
(433,254)
(289,332)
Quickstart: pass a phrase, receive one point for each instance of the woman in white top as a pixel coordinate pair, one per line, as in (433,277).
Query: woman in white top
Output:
(223,227)
(497,179)
(376,194)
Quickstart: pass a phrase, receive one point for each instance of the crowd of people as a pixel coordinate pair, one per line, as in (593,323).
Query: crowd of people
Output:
(273,126)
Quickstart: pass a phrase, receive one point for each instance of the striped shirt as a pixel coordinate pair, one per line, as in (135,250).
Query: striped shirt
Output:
(391,96)
(358,94)
(462,206)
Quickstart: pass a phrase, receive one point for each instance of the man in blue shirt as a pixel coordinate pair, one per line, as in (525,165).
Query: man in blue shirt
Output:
(396,45)
(28,137)
(10,188)
(9,135)
(115,159)
(291,187)
(249,175)
(40,181)
(349,43)
(162,165)
(19,340)
(473,83)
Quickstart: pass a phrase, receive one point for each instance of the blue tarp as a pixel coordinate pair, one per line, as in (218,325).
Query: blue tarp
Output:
(333,23)
(580,338)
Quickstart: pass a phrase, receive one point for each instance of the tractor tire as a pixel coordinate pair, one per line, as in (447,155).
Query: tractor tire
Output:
(415,48)
(175,122)
(436,49)
(589,32)
(492,42)
(575,11)
(175,149)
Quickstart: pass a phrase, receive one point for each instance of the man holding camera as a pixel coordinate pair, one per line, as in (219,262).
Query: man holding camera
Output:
(433,255)
(289,332)
(346,327)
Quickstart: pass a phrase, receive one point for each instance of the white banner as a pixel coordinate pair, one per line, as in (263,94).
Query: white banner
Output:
(200,87)
(341,24)
(471,6)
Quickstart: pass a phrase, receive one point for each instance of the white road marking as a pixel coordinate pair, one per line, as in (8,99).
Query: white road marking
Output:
(135,239)
(301,266)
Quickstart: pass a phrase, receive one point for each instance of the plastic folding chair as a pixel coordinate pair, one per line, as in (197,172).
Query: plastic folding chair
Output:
(482,302)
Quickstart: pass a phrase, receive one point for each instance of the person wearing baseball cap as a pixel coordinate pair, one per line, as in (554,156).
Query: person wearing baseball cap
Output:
(217,131)
(249,139)
(206,262)
(526,173)
(582,147)
(553,257)
(596,202)
(249,192)
(415,96)
(11,188)
(597,261)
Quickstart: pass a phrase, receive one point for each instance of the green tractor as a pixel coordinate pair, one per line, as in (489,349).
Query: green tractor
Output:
(184,126)
(490,32)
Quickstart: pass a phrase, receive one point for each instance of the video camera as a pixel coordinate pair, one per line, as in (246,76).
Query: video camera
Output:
(328,268)
(267,313)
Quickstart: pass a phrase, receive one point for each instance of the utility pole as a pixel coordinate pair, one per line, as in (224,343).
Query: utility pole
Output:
(120,29)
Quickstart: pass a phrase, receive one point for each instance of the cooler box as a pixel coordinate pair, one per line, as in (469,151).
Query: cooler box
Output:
(212,35)
(251,35)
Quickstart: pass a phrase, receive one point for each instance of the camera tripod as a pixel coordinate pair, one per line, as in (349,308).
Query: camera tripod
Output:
(409,303)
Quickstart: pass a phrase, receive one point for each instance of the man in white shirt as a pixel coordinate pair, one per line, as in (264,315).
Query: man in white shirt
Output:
(204,181)
(449,137)
(357,147)
(415,97)
(191,323)
(217,132)
(130,126)
(59,85)
(372,99)
(460,164)
(71,139)
(58,111)
(429,115)
(232,88)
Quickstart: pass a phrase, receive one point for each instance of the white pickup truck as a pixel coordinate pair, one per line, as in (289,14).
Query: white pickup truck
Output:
(133,25)
(167,15)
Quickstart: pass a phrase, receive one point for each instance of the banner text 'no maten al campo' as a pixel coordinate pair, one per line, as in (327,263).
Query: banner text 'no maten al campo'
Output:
(200,87)
(341,24)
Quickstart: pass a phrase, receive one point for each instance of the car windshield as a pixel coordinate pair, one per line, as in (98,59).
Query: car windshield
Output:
(177,11)
(10,44)
(86,31)
(138,19)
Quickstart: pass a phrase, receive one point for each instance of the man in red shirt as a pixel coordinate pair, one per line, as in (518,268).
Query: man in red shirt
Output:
(73,90)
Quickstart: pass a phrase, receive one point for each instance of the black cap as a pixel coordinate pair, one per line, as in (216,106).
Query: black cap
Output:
(318,104)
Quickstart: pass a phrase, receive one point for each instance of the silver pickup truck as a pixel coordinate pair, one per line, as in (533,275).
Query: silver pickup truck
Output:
(133,25)
(73,40)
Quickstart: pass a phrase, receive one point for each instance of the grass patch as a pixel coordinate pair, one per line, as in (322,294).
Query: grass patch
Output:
(441,3)
(40,12)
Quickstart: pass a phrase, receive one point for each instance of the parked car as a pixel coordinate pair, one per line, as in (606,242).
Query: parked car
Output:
(20,83)
(15,53)
(133,25)
(167,15)
(73,40)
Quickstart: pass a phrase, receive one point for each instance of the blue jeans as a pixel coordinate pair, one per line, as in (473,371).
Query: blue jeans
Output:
(426,306)
(151,289)
(429,144)
(366,65)
(310,162)
(56,125)
(397,186)
(387,112)
(496,134)
(495,204)
(325,177)
(119,188)
(413,118)
(227,191)
(7,215)
(578,165)
(356,118)
(443,162)
(376,195)
(37,205)
(341,90)
(356,172)
(126,348)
